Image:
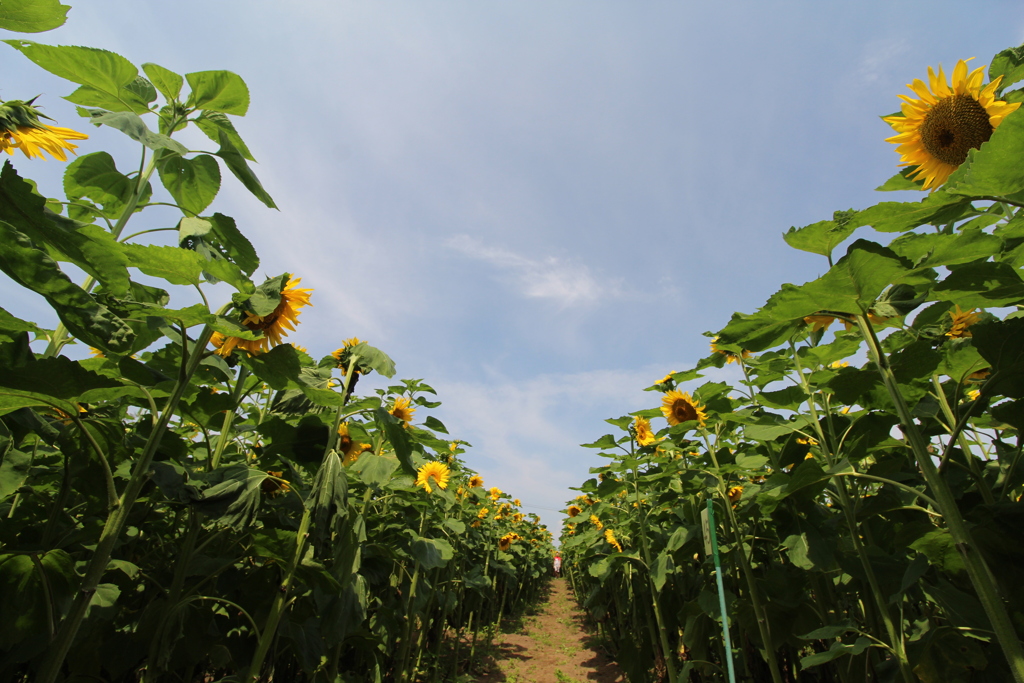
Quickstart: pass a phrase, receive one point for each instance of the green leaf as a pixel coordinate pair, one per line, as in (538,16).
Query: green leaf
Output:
(838,649)
(32,587)
(134,97)
(374,358)
(758,331)
(681,536)
(10,326)
(374,470)
(134,127)
(95,176)
(938,208)
(13,471)
(809,550)
(177,266)
(931,250)
(788,398)
(79,311)
(660,570)
(89,247)
(213,124)
(104,71)
(822,237)
(395,431)
(234,495)
(279,367)
(981,285)
(432,552)
(327,498)
(32,16)
(193,183)
(267,296)
(1001,343)
(994,168)
(236,163)
(1009,64)
(940,548)
(901,181)
(232,244)
(59,377)
(433,423)
(829,632)
(221,91)
(166,81)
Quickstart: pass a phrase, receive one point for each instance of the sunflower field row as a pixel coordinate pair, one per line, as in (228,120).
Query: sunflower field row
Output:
(864,467)
(199,500)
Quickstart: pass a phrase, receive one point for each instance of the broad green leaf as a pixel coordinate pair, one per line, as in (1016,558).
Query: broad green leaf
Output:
(131,98)
(660,570)
(1001,343)
(58,377)
(432,553)
(981,285)
(232,244)
(788,398)
(32,16)
(940,548)
(399,440)
(901,181)
(177,266)
(105,71)
(166,81)
(13,471)
(938,208)
(221,91)
(83,316)
(279,367)
(30,590)
(822,237)
(95,176)
(751,462)
(1009,64)
(681,536)
(193,183)
(836,650)
(374,358)
(10,325)
(758,331)
(606,441)
(327,498)
(829,632)
(236,163)
(213,124)
(233,497)
(374,470)
(134,127)
(89,247)
(809,550)
(994,168)
(931,250)
(433,423)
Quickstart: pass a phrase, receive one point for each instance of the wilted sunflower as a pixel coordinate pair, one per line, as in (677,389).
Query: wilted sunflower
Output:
(274,326)
(476,481)
(574,510)
(644,433)
(936,131)
(20,128)
(678,407)
(961,321)
(350,449)
(403,410)
(437,471)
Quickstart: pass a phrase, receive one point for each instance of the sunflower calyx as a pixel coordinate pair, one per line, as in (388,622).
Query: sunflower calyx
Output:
(16,114)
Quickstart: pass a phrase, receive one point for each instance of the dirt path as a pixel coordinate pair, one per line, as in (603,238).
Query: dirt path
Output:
(552,647)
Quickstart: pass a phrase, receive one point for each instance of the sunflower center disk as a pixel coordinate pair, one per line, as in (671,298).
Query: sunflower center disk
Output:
(684,412)
(954,126)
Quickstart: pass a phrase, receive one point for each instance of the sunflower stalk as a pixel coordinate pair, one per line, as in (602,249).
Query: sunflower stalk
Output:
(118,517)
(977,569)
(229,417)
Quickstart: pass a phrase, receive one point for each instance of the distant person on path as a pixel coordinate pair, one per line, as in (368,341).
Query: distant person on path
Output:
(558,564)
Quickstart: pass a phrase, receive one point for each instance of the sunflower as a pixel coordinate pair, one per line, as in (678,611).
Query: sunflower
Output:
(518,503)
(505,542)
(730,357)
(437,471)
(666,378)
(936,131)
(341,355)
(734,493)
(609,536)
(596,522)
(20,128)
(274,485)
(274,326)
(350,449)
(574,510)
(476,481)
(494,492)
(483,513)
(644,434)
(403,410)
(961,321)
(678,407)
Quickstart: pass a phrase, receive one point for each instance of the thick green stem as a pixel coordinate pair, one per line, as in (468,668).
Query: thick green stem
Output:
(981,576)
(229,417)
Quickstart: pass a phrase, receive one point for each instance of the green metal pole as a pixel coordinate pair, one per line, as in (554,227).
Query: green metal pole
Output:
(711,548)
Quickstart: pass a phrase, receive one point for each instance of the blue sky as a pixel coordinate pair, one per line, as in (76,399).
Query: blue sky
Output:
(536,207)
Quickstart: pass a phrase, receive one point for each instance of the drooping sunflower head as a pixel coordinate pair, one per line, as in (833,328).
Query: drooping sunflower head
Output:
(476,481)
(609,536)
(274,325)
(505,542)
(433,471)
(679,407)
(596,521)
(574,510)
(20,128)
(403,410)
(947,120)
(351,450)
(344,355)
(644,433)
(273,486)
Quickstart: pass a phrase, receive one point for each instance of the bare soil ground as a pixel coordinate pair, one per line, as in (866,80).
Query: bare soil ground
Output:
(553,646)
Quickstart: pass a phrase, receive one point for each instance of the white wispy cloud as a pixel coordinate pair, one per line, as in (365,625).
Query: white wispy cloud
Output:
(564,282)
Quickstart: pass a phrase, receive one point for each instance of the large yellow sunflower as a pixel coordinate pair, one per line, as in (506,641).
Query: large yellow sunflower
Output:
(574,510)
(678,407)
(437,471)
(403,410)
(936,131)
(644,433)
(476,481)
(274,326)
(20,128)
